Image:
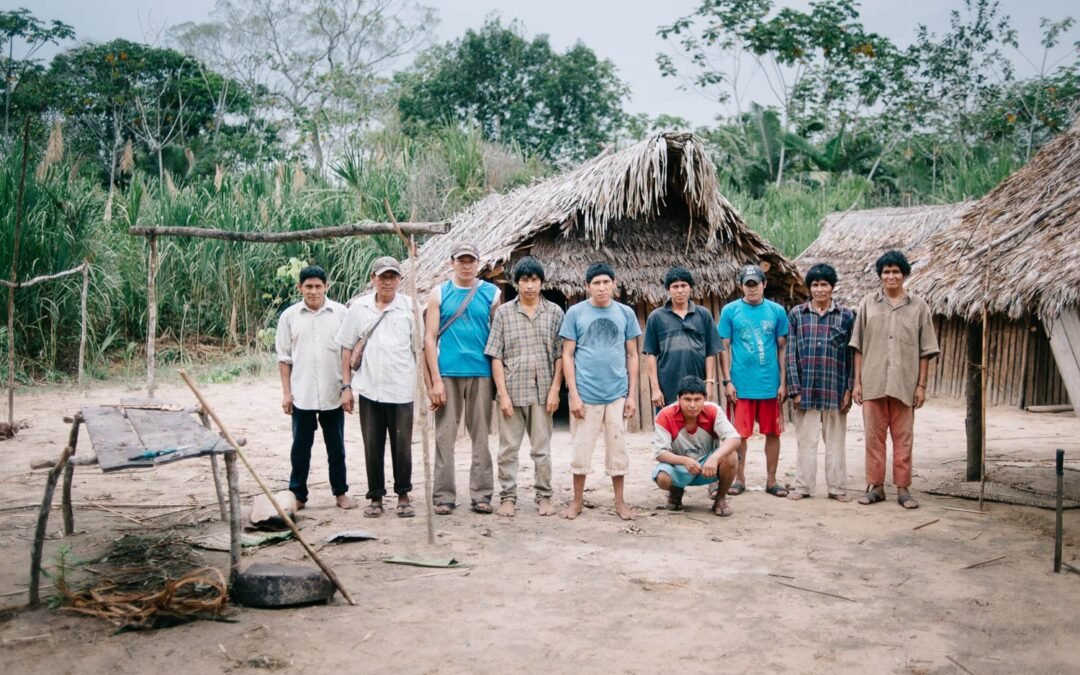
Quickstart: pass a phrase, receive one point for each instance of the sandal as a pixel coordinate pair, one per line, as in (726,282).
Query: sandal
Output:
(721,508)
(907,501)
(482,507)
(373,510)
(444,509)
(737,488)
(872,496)
(405,511)
(777,490)
(674,499)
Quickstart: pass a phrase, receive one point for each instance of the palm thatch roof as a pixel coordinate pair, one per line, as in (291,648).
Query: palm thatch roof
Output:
(1031,222)
(642,209)
(851,241)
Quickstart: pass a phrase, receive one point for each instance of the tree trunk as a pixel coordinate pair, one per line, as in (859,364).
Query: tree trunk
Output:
(973,421)
(316,147)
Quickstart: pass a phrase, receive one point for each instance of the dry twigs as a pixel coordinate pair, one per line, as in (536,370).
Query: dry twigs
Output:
(199,594)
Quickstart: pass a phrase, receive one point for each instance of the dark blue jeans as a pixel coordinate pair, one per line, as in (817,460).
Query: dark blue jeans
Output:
(304,423)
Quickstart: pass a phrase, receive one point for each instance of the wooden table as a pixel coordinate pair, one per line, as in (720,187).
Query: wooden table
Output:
(127,436)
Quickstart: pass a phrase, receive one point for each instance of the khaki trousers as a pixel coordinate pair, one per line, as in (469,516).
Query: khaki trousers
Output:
(608,420)
(536,419)
(831,427)
(471,397)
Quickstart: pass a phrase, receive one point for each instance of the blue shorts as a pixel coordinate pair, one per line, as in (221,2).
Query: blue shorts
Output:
(680,477)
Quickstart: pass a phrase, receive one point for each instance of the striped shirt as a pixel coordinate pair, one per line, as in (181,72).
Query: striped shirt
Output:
(820,365)
(528,347)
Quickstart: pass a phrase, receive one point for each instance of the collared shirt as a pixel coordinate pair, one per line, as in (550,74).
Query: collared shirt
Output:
(307,341)
(892,339)
(670,435)
(820,364)
(681,345)
(528,347)
(387,372)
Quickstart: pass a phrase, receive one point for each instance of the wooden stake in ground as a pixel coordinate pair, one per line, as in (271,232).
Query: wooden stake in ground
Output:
(270,495)
(82,318)
(421,388)
(151,314)
(15,278)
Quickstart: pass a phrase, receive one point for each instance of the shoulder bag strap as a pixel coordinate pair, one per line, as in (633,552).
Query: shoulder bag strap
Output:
(460,310)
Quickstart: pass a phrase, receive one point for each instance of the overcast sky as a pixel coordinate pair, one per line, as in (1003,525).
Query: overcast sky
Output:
(623,31)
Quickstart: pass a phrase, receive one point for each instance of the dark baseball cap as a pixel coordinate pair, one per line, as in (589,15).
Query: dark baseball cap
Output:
(749,272)
(463,250)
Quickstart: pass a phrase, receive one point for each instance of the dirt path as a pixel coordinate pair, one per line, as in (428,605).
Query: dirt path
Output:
(678,592)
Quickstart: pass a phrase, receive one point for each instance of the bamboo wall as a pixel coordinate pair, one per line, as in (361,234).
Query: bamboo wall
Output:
(1022,370)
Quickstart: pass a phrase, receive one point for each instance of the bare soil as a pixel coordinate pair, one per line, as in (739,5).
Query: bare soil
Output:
(672,591)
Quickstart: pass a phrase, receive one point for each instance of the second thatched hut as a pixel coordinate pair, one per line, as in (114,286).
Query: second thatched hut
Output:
(642,209)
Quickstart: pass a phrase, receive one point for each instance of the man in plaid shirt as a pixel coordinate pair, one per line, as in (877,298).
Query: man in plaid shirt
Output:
(526,364)
(820,378)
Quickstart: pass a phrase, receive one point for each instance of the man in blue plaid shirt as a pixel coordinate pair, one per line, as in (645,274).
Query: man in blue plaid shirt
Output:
(820,374)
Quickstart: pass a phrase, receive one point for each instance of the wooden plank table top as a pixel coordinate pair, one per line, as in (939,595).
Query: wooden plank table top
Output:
(119,434)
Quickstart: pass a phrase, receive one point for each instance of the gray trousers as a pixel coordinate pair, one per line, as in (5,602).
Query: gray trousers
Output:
(471,397)
(537,421)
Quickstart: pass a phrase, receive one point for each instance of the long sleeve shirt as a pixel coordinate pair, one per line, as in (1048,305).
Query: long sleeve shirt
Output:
(820,362)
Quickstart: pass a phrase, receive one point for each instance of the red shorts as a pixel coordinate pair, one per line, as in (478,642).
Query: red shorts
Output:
(766,411)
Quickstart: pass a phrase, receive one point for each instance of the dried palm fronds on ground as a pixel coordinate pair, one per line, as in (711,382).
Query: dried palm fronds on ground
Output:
(148,583)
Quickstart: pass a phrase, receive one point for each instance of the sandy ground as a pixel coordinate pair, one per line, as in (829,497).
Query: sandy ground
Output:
(683,592)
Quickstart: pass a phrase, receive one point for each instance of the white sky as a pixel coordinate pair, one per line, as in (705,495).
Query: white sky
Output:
(623,31)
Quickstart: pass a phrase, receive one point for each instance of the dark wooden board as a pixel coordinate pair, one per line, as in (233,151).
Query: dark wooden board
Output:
(117,437)
(113,438)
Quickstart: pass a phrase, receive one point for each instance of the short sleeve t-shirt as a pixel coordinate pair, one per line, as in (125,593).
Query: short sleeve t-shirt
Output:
(600,334)
(753,331)
(461,347)
(680,344)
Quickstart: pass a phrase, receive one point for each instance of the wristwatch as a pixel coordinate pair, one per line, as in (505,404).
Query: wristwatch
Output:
(345,386)
(726,382)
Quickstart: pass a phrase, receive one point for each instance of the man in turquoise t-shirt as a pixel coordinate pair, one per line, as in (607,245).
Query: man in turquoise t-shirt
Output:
(754,331)
(458,375)
(600,363)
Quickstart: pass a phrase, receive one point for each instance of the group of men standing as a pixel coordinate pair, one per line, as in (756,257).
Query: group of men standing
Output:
(476,348)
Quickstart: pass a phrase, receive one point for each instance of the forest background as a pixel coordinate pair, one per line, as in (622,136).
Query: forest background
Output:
(292,114)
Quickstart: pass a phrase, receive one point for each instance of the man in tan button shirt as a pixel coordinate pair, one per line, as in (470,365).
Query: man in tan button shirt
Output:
(894,340)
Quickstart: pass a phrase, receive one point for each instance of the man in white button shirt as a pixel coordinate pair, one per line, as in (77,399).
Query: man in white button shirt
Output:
(310,370)
(385,383)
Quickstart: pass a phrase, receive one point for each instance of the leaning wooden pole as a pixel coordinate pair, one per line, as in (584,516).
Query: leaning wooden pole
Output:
(985,354)
(421,388)
(15,278)
(266,490)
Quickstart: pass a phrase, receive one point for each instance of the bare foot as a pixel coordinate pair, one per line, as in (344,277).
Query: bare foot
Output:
(840,498)
(545,507)
(300,505)
(573,510)
(345,502)
(796,495)
(506,509)
(625,512)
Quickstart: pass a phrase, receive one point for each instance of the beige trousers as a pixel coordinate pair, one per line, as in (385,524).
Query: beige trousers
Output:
(537,421)
(471,397)
(830,426)
(606,419)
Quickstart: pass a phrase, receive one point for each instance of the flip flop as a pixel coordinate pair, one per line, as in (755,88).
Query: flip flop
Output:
(373,510)
(904,500)
(405,511)
(777,490)
(871,497)
(722,509)
(482,507)
(444,509)
(737,488)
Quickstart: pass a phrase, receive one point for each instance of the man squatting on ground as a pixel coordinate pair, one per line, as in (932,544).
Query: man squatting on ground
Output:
(680,340)
(457,324)
(894,340)
(820,376)
(307,354)
(754,331)
(600,363)
(378,330)
(695,445)
(526,364)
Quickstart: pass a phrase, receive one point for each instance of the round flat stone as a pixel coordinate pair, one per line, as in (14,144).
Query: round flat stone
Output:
(273,585)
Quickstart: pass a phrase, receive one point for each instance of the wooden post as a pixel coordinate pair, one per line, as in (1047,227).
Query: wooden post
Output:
(14,277)
(234,517)
(43,523)
(215,470)
(69,473)
(82,319)
(151,314)
(973,420)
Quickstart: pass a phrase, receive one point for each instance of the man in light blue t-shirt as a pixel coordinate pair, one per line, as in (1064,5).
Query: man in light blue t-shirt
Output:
(754,331)
(600,364)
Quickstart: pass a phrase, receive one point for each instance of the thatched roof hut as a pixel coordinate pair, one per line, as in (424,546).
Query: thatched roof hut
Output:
(642,209)
(851,241)
(1032,221)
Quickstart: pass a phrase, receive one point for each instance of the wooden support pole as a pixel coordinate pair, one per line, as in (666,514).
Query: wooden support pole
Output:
(266,490)
(235,519)
(151,314)
(985,357)
(82,319)
(974,396)
(43,524)
(216,472)
(441,227)
(15,276)
(69,474)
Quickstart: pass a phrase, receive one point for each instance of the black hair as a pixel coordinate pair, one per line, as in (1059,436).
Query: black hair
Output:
(678,273)
(821,272)
(528,267)
(598,268)
(691,384)
(312,272)
(893,257)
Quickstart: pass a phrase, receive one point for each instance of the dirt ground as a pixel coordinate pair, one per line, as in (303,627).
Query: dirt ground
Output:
(677,591)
